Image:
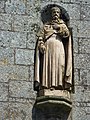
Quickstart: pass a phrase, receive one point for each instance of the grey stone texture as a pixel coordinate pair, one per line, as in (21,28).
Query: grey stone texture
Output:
(21,89)
(3,92)
(6,56)
(19,23)
(2,6)
(13,39)
(5,21)
(14,72)
(24,56)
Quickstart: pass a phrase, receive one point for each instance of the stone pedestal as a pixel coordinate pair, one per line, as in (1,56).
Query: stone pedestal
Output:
(53,92)
(53,105)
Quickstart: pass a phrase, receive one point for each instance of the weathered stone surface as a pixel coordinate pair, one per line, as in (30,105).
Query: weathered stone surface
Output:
(31,73)
(20,111)
(81,61)
(85,77)
(22,100)
(2,6)
(55,1)
(4,113)
(74,24)
(33,8)
(81,1)
(82,94)
(24,56)
(75,45)
(21,89)
(88,116)
(79,113)
(3,92)
(13,72)
(82,77)
(13,39)
(15,7)
(80,28)
(85,12)
(84,45)
(73,11)
(76,77)
(5,21)
(84,29)
(22,23)
(31,41)
(6,56)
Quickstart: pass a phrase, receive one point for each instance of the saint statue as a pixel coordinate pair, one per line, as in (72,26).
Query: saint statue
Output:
(53,55)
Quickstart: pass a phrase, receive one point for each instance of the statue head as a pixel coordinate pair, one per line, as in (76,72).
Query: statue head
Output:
(56,12)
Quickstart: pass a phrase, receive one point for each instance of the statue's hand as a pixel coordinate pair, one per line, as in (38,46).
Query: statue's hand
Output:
(42,47)
(56,26)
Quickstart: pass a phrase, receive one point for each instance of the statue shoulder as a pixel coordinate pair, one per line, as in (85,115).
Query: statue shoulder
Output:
(62,22)
(40,33)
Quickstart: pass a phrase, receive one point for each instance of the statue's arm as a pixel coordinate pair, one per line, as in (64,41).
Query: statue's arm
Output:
(40,39)
(64,31)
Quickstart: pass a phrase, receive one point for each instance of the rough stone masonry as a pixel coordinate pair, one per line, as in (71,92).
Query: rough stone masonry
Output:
(19,23)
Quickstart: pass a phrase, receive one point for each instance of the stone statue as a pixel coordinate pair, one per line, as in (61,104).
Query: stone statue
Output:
(53,55)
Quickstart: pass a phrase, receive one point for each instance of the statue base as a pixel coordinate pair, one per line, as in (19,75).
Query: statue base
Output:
(53,92)
(53,105)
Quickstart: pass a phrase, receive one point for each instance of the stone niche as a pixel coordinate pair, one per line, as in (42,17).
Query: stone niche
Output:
(53,103)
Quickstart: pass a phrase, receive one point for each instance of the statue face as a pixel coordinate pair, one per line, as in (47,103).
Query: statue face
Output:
(55,13)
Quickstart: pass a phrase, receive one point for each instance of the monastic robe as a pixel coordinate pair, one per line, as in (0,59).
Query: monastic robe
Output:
(54,67)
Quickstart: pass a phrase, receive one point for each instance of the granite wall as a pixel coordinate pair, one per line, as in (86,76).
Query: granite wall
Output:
(19,23)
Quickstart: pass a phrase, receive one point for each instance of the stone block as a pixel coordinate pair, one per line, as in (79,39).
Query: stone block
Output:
(33,8)
(13,39)
(4,113)
(5,21)
(6,56)
(75,45)
(79,113)
(80,28)
(81,61)
(81,1)
(3,92)
(21,89)
(73,10)
(24,56)
(82,77)
(84,29)
(20,111)
(15,6)
(76,77)
(84,45)
(74,24)
(13,72)
(22,23)
(82,94)
(88,116)
(2,6)
(31,40)
(85,76)
(31,73)
(55,1)
(85,12)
